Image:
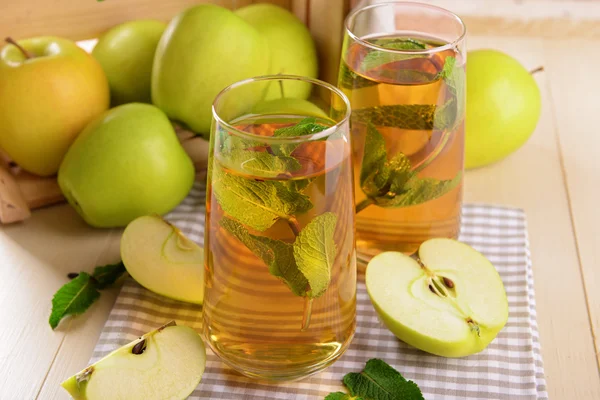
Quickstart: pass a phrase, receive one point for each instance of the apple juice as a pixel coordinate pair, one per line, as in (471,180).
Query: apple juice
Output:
(407,132)
(280,297)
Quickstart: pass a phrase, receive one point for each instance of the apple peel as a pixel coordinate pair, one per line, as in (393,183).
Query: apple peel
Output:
(449,302)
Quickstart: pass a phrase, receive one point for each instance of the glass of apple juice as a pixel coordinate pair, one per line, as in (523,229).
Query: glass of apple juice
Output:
(280,267)
(403,69)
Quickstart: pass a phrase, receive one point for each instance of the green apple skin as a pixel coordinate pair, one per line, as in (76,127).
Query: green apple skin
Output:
(170,368)
(46,101)
(126,54)
(399,291)
(125,164)
(203,50)
(293,50)
(160,258)
(289,106)
(503,107)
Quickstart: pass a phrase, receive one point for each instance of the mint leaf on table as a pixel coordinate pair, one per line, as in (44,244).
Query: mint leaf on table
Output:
(277,255)
(378,381)
(76,296)
(392,183)
(73,298)
(256,203)
(315,250)
(106,275)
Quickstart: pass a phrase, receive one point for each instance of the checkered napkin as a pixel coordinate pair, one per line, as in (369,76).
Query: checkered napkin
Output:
(510,368)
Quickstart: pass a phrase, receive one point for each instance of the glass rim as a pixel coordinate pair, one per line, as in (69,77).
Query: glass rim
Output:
(352,16)
(290,139)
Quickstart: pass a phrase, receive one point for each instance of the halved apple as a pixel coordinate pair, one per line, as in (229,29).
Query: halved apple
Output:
(162,259)
(165,364)
(450,302)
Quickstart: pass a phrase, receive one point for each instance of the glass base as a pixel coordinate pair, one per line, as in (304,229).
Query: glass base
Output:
(278,373)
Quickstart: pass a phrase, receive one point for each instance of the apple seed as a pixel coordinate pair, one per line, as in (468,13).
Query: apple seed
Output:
(448,282)
(139,347)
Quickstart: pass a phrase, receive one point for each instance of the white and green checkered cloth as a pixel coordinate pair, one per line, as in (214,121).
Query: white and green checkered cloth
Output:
(510,368)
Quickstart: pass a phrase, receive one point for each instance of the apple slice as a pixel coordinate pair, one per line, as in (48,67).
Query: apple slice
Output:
(451,302)
(160,258)
(167,363)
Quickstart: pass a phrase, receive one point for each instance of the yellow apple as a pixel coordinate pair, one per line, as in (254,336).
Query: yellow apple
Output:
(49,90)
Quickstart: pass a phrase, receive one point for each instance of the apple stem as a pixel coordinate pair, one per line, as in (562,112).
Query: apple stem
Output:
(536,70)
(25,52)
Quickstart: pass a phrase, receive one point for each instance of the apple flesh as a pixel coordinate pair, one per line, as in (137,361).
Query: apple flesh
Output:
(503,107)
(291,46)
(46,100)
(126,53)
(125,164)
(451,303)
(165,364)
(160,258)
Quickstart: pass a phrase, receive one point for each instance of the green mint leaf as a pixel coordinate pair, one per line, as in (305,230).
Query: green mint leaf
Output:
(392,183)
(377,58)
(404,116)
(314,252)
(454,76)
(307,126)
(277,255)
(418,191)
(348,79)
(341,396)
(262,163)
(108,274)
(373,173)
(256,203)
(379,381)
(73,298)
(298,185)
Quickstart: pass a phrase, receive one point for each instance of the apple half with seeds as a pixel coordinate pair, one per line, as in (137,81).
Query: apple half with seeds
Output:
(165,364)
(450,301)
(162,259)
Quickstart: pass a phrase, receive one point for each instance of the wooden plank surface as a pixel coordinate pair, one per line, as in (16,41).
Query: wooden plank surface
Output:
(575,97)
(532,178)
(84,19)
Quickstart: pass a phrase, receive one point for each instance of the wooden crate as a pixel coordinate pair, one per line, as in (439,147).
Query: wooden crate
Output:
(87,19)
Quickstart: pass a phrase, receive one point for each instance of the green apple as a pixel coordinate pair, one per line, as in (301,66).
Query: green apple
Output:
(293,51)
(49,90)
(203,50)
(289,106)
(451,302)
(167,363)
(162,259)
(126,53)
(125,164)
(503,107)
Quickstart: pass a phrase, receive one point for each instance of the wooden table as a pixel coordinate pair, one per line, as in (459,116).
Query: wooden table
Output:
(555,177)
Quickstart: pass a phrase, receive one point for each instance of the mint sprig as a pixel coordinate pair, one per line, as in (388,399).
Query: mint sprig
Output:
(76,296)
(378,381)
(304,265)
(392,182)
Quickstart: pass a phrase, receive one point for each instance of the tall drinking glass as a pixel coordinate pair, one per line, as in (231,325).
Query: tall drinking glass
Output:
(280,294)
(403,69)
